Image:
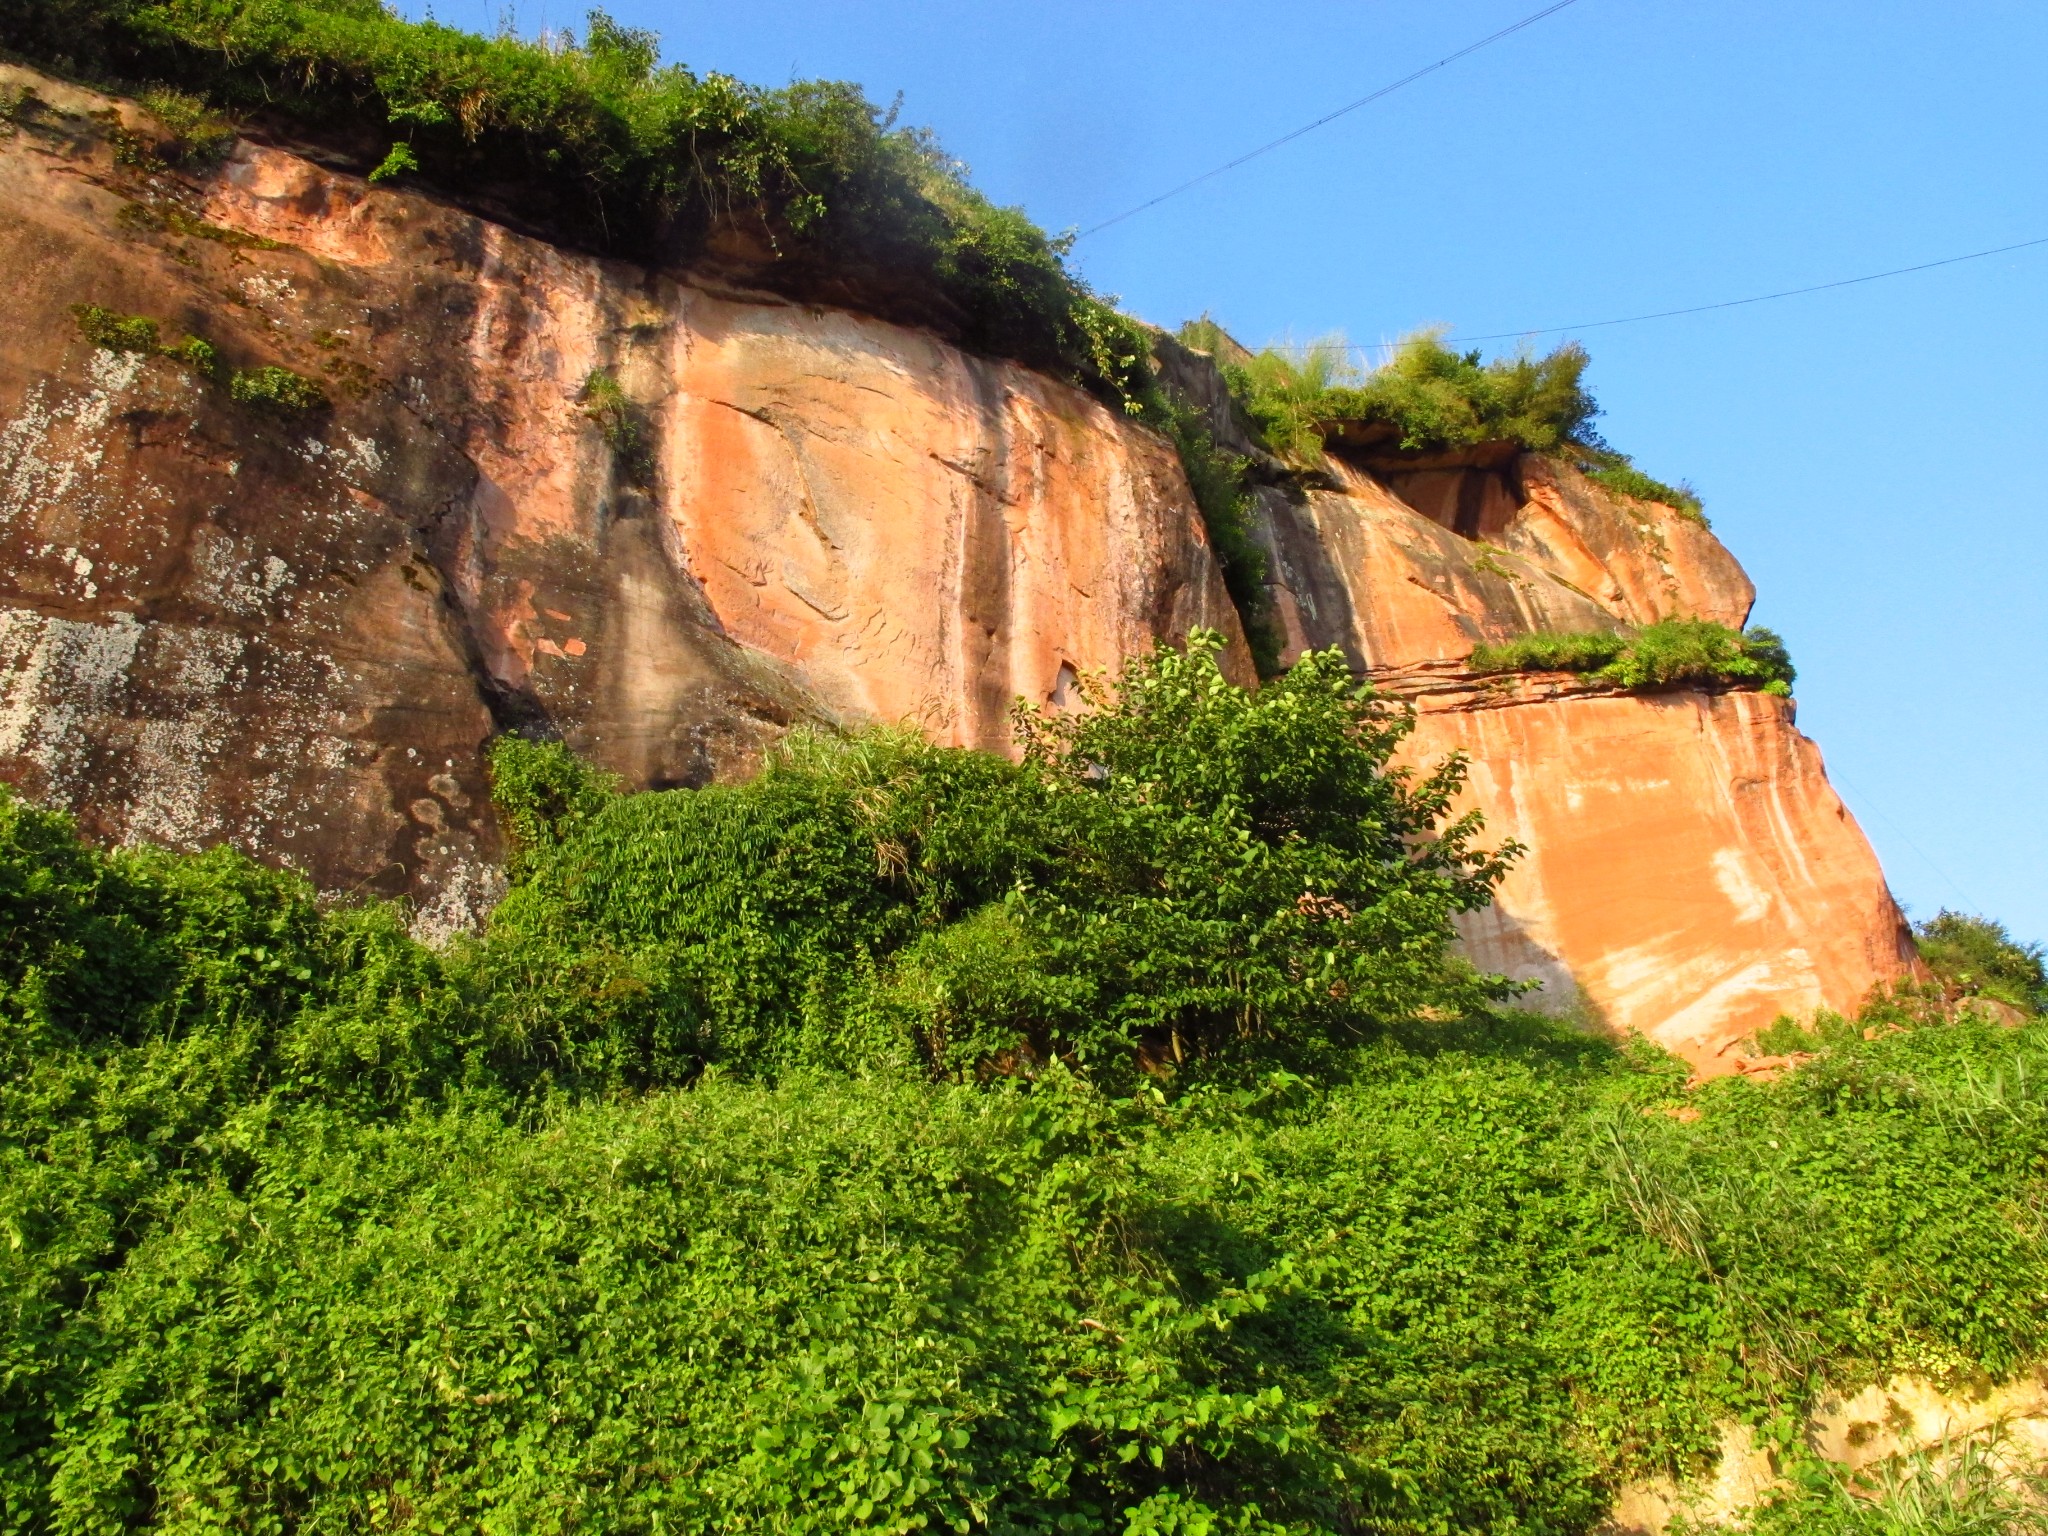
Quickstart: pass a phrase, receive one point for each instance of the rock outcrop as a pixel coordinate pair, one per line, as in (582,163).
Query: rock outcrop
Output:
(1689,872)
(221,622)
(226,621)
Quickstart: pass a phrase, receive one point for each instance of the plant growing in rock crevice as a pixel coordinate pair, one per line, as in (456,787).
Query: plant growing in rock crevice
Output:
(138,334)
(279,391)
(622,425)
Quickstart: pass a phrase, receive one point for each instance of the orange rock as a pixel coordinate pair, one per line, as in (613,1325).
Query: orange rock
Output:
(1690,874)
(221,625)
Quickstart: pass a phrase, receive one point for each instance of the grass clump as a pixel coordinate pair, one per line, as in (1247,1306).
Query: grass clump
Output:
(1612,471)
(277,390)
(1429,398)
(1669,653)
(1976,1487)
(200,138)
(1426,397)
(619,421)
(913,1138)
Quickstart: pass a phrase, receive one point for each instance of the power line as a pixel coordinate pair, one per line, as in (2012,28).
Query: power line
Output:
(1695,309)
(1762,298)
(1363,101)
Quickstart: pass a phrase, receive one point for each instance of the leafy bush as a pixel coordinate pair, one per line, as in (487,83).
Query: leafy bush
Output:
(309,1226)
(1669,653)
(1976,957)
(1426,396)
(277,390)
(1193,877)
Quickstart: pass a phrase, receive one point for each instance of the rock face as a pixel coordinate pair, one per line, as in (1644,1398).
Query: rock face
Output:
(294,630)
(1689,873)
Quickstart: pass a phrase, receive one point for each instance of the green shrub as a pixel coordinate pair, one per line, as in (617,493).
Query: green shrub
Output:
(277,390)
(1976,957)
(1427,396)
(1669,653)
(116,333)
(734,926)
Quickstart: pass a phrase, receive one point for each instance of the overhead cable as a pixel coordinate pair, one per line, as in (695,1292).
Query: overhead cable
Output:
(1330,117)
(1667,314)
(1761,298)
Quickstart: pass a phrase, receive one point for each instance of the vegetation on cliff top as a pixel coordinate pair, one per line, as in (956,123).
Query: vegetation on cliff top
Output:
(598,144)
(1428,398)
(1670,653)
(912,1139)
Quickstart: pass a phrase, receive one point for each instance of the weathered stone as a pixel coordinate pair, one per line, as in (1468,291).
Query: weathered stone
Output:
(295,634)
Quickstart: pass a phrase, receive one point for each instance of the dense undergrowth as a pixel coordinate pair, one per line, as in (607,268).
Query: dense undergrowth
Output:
(1428,398)
(909,1139)
(1668,654)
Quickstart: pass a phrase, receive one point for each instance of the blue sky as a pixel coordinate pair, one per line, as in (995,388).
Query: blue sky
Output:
(1872,455)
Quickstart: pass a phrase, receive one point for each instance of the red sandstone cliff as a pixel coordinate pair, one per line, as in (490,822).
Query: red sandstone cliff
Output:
(1690,873)
(221,624)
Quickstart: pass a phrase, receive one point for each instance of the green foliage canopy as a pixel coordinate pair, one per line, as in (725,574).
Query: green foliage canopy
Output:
(600,144)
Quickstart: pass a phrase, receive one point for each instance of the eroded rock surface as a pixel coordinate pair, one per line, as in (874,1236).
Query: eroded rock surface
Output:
(294,632)
(1690,873)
